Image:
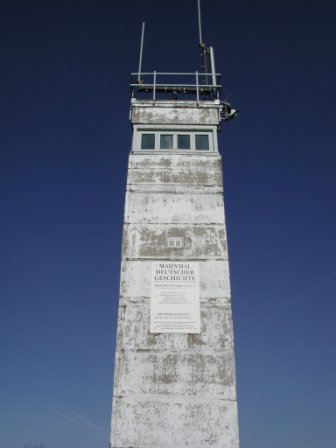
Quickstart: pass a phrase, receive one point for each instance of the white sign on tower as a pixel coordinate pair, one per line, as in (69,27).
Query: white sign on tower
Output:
(175,306)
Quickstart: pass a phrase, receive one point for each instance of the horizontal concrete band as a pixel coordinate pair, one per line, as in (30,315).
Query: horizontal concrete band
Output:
(174,423)
(175,373)
(152,241)
(194,160)
(175,163)
(175,177)
(167,207)
(214,302)
(184,113)
(153,189)
(156,170)
(133,331)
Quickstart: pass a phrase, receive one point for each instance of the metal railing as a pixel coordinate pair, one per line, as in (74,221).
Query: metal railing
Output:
(203,85)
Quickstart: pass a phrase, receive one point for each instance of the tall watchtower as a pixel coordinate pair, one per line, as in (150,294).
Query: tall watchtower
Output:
(174,382)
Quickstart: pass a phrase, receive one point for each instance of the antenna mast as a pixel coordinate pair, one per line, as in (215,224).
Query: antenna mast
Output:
(207,53)
(202,45)
(199,23)
(141,50)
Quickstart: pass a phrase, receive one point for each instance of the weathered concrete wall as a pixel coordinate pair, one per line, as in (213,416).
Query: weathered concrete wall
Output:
(179,112)
(174,390)
(164,422)
(150,241)
(216,330)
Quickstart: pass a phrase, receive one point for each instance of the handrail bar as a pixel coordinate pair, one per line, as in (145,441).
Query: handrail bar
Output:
(172,73)
(190,83)
(200,86)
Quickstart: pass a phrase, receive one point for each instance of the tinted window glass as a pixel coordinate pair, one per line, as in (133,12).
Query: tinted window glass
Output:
(148,141)
(166,141)
(183,141)
(202,141)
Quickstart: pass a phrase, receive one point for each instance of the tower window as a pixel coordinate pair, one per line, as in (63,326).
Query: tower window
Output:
(183,141)
(201,141)
(174,140)
(148,141)
(166,141)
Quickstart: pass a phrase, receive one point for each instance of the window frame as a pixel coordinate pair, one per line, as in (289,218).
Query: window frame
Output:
(210,131)
(190,140)
(141,137)
(159,141)
(201,134)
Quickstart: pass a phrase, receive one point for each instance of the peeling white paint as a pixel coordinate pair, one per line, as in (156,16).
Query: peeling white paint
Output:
(174,390)
(197,241)
(216,331)
(171,422)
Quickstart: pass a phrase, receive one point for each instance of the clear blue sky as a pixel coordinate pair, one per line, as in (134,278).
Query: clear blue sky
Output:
(64,143)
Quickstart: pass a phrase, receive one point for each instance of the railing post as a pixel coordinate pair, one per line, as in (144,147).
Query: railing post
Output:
(154,85)
(197,92)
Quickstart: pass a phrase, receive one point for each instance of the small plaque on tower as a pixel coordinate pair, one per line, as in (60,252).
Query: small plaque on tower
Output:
(175,304)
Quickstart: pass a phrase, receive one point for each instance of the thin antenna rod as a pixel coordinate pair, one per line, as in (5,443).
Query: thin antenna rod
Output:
(213,68)
(141,50)
(202,45)
(199,22)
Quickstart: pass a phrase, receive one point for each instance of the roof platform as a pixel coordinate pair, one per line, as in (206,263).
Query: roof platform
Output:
(201,86)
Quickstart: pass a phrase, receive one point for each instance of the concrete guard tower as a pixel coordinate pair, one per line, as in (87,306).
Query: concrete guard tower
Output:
(174,382)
